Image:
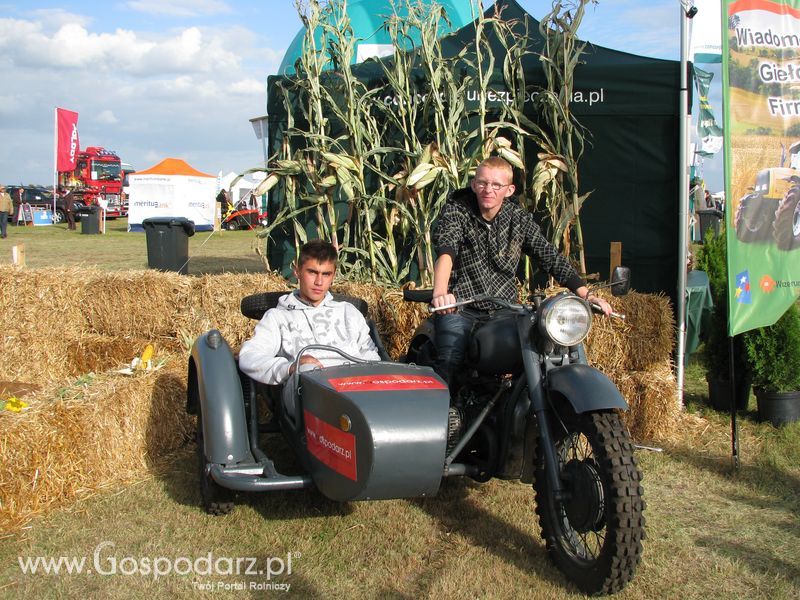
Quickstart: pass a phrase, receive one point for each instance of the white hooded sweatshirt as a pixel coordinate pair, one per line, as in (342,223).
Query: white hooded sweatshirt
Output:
(285,330)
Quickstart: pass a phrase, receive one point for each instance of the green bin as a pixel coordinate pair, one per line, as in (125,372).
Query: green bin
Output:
(90,219)
(168,243)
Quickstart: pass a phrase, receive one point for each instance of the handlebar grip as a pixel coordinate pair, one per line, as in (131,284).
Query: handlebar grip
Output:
(596,308)
(418,296)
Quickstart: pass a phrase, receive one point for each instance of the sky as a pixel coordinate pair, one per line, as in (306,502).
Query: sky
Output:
(152,79)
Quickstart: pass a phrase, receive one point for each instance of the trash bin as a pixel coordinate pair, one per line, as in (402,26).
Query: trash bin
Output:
(168,243)
(90,219)
(709,219)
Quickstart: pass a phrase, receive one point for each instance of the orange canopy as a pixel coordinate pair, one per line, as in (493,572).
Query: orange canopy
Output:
(173,166)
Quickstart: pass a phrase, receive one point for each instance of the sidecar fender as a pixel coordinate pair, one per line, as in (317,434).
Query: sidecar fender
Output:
(216,390)
(585,387)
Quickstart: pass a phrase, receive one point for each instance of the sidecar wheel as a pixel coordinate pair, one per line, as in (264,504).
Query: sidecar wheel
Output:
(595,535)
(217,500)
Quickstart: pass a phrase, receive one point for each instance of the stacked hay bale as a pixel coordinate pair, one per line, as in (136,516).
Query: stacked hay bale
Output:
(637,357)
(90,427)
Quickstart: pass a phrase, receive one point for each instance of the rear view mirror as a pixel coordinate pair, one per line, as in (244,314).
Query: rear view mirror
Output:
(620,281)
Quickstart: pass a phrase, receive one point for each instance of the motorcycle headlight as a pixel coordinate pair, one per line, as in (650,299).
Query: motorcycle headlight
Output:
(565,319)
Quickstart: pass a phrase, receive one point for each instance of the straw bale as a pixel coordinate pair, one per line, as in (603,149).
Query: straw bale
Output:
(143,303)
(217,298)
(652,398)
(643,340)
(395,318)
(39,311)
(98,433)
(97,353)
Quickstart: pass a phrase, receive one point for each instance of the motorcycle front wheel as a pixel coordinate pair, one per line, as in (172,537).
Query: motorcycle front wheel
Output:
(594,535)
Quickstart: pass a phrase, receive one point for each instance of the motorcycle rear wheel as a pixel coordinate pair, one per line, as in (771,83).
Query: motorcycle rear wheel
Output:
(595,535)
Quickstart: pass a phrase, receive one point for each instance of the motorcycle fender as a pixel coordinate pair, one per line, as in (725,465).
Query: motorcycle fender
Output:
(219,394)
(586,388)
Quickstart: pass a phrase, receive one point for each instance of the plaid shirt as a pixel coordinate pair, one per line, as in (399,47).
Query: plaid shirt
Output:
(486,254)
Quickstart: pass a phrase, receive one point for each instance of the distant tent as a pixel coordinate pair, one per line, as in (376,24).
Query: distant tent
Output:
(630,106)
(172,188)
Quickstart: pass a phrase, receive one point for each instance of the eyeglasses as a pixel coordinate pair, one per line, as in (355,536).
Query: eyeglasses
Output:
(482,185)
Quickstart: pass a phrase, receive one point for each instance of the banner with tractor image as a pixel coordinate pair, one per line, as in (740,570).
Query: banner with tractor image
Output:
(761,92)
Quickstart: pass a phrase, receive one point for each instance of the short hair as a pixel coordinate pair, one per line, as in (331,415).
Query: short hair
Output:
(318,250)
(497,162)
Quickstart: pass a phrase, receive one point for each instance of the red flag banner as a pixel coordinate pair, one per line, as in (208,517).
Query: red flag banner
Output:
(67,142)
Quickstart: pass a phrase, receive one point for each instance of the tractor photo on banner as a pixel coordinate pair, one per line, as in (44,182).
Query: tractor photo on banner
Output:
(761,92)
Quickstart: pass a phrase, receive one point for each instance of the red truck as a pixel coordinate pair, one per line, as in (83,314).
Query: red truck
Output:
(97,176)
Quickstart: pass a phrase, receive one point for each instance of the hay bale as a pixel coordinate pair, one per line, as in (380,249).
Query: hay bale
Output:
(146,304)
(97,433)
(98,353)
(395,319)
(39,311)
(652,398)
(216,301)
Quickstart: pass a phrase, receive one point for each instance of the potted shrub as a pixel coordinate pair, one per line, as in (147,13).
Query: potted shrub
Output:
(774,356)
(713,259)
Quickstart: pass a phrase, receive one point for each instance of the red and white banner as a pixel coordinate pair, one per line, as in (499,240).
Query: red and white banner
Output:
(331,446)
(67,142)
(386,383)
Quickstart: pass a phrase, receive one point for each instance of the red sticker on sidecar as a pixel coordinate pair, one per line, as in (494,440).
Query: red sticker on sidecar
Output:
(330,445)
(386,383)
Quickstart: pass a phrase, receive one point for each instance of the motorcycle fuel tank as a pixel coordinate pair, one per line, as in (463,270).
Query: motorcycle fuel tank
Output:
(375,430)
(494,348)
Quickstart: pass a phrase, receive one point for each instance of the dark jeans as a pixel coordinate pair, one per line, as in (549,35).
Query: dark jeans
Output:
(452,335)
(3,223)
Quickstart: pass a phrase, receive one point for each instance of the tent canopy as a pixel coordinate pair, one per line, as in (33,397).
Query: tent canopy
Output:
(172,188)
(173,166)
(628,103)
(366,20)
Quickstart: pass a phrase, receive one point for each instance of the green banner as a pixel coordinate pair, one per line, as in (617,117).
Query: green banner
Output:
(761,93)
(708,131)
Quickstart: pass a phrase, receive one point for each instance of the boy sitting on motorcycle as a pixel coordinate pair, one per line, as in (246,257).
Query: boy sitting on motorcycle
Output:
(482,231)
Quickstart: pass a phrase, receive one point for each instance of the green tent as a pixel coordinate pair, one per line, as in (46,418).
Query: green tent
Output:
(630,106)
(366,19)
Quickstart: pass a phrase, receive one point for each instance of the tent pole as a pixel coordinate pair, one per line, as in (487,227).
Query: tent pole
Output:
(683,195)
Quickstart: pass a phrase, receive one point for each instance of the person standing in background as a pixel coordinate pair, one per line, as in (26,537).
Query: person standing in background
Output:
(6,207)
(69,209)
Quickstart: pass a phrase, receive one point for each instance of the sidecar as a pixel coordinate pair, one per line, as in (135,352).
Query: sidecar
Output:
(364,431)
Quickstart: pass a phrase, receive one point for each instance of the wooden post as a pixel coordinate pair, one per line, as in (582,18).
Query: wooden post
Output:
(616,257)
(18,255)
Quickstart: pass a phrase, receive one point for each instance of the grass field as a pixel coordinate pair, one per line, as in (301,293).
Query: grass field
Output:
(712,532)
(54,245)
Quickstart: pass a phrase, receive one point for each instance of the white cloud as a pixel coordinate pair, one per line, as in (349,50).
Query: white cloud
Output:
(107,117)
(72,46)
(186,92)
(180,8)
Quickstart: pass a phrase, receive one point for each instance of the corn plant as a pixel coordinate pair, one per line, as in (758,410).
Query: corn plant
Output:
(372,167)
(560,136)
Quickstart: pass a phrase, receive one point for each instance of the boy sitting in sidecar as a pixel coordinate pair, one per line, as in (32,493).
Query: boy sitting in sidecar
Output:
(307,316)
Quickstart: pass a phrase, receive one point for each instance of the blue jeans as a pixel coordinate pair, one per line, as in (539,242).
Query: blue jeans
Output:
(452,335)
(3,223)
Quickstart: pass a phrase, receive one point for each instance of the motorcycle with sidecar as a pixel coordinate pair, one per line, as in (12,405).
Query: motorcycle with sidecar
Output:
(530,407)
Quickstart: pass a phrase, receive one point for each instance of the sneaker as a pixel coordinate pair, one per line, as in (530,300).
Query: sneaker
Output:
(455,422)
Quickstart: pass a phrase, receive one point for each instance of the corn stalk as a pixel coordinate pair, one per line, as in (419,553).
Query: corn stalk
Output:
(555,178)
(386,158)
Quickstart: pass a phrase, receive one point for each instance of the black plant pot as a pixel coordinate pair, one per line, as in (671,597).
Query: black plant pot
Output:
(779,408)
(719,393)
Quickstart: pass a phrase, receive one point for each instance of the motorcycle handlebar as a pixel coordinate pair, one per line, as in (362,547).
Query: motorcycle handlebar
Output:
(427,296)
(418,295)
